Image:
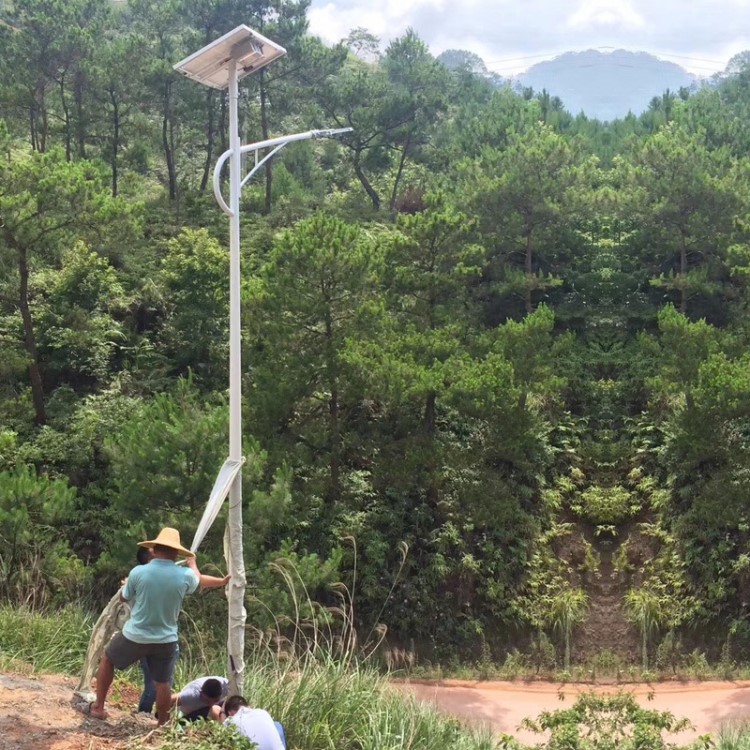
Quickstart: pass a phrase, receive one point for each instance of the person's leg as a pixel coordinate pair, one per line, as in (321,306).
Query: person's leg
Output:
(163,701)
(104,678)
(282,733)
(161,658)
(148,696)
(176,657)
(120,653)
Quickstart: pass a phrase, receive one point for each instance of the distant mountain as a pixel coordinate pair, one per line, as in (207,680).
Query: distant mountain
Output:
(456,59)
(606,85)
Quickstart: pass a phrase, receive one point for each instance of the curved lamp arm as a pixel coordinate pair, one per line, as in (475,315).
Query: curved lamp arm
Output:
(275,144)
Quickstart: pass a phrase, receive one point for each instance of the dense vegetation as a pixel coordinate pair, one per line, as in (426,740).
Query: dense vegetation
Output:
(495,357)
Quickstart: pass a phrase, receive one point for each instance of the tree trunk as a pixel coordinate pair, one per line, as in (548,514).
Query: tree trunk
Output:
(369,189)
(529,268)
(432,492)
(223,123)
(32,127)
(80,114)
(264,132)
(334,428)
(42,141)
(683,275)
(37,389)
(567,651)
(66,119)
(430,414)
(645,651)
(115,138)
(539,663)
(399,173)
(167,139)
(209,139)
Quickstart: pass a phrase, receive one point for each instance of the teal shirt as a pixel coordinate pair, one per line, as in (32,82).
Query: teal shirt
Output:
(156,591)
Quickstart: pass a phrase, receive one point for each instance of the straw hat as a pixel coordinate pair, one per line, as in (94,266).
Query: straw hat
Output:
(168,538)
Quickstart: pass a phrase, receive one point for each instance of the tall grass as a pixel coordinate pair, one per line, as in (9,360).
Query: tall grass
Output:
(46,642)
(323,702)
(733,737)
(327,704)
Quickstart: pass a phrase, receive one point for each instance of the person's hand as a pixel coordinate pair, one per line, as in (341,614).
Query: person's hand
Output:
(123,582)
(225,580)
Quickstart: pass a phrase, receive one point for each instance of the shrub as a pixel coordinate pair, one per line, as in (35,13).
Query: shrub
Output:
(608,722)
(605,505)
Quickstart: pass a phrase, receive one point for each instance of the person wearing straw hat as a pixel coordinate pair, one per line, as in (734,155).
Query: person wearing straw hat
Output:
(156,591)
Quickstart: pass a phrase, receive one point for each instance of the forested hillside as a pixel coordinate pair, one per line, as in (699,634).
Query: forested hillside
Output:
(496,369)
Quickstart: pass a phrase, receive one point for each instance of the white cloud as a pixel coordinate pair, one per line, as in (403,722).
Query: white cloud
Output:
(332,23)
(334,20)
(605,13)
(498,30)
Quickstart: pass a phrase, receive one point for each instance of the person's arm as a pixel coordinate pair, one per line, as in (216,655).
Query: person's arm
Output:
(126,592)
(213,582)
(207,582)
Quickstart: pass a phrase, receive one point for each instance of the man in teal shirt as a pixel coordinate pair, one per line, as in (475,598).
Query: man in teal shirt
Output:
(156,591)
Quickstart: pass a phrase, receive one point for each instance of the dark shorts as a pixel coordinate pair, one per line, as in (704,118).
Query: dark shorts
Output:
(160,657)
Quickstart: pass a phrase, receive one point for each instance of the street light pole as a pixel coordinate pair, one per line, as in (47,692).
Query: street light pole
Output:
(233,547)
(220,65)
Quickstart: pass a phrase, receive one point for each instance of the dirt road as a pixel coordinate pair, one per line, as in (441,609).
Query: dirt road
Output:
(36,714)
(502,705)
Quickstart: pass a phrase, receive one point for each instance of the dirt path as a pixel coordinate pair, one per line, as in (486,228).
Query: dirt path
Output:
(502,705)
(36,714)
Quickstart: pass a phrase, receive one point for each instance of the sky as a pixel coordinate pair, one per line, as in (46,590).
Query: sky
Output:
(512,35)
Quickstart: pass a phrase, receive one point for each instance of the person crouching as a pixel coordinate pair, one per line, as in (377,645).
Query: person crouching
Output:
(255,724)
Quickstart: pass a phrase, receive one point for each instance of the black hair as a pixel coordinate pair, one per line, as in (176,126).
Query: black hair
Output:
(144,555)
(211,689)
(233,704)
(169,552)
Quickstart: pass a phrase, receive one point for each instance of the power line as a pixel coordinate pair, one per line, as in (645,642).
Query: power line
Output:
(697,59)
(525,57)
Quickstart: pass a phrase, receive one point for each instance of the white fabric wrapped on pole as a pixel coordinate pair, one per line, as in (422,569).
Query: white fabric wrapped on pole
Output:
(220,490)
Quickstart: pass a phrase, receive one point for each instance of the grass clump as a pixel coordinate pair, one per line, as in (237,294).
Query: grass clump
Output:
(200,735)
(733,737)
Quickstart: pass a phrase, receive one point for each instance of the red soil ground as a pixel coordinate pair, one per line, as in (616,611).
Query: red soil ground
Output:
(36,714)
